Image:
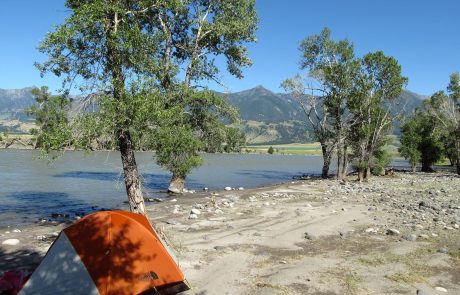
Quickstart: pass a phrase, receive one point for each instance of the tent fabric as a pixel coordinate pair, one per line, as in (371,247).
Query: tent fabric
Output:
(109,252)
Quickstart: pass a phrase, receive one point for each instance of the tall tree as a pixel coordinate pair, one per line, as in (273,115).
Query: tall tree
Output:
(104,48)
(377,89)
(446,109)
(331,66)
(195,33)
(411,139)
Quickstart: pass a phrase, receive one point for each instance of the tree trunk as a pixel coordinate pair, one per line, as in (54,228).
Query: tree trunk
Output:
(177,184)
(131,175)
(367,173)
(360,175)
(426,167)
(414,167)
(339,162)
(326,161)
(345,161)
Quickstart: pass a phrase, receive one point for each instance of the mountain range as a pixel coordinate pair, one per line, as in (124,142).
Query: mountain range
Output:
(267,117)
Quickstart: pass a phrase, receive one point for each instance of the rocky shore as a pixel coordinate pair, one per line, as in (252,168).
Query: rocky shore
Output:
(393,235)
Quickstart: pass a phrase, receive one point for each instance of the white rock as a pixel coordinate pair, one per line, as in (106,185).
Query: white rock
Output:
(393,232)
(173,200)
(16,230)
(241,188)
(7,232)
(227,188)
(11,242)
(218,211)
(195,211)
(371,230)
(441,289)
(193,216)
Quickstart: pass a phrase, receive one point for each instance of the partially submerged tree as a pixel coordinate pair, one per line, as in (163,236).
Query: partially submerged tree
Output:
(195,33)
(377,89)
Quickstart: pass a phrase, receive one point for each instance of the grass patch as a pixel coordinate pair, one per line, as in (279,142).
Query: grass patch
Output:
(279,288)
(406,277)
(288,149)
(372,261)
(455,255)
(352,283)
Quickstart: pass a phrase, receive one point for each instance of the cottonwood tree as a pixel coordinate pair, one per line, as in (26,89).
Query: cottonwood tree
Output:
(196,32)
(421,140)
(377,90)
(446,109)
(105,48)
(331,67)
(317,115)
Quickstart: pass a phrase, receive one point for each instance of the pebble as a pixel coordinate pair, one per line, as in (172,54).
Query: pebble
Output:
(441,289)
(241,188)
(195,211)
(227,188)
(422,292)
(174,200)
(411,237)
(193,216)
(392,232)
(371,230)
(443,250)
(11,242)
(172,222)
(16,230)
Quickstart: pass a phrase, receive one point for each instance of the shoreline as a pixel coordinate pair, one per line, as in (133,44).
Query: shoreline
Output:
(393,235)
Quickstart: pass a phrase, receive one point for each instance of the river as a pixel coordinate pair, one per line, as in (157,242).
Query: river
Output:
(81,182)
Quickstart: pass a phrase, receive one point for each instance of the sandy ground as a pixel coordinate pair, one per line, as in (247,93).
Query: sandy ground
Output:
(305,237)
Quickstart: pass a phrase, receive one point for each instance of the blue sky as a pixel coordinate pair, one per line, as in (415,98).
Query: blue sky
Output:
(423,35)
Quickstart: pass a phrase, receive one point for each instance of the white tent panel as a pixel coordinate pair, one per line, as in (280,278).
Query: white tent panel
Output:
(60,272)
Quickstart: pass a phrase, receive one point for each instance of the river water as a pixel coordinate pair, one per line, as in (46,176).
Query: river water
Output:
(81,182)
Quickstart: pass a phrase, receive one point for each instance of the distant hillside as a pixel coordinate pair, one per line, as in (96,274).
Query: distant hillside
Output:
(260,104)
(267,117)
(270,117)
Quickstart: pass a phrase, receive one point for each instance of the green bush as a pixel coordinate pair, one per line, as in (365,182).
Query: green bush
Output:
(270,150)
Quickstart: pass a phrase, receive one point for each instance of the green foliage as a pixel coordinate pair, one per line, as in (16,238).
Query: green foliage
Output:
(411,139)
(421,140)
(445,111)
(235,140)
(270,150)
(376,91)
(127,56)
(51,116)
(381,159)
(177,150)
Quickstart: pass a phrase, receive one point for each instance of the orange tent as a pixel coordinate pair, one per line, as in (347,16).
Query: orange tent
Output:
(109,252)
